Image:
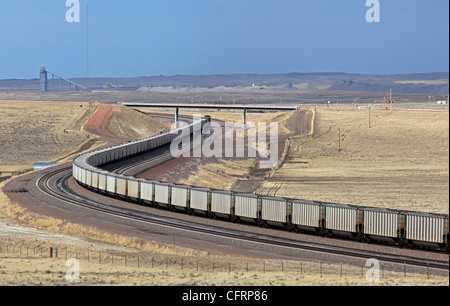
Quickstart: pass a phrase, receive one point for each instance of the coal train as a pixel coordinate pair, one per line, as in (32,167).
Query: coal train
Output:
(404,228)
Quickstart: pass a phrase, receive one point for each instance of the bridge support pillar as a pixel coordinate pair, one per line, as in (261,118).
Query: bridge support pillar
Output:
(177,121)
(244,118)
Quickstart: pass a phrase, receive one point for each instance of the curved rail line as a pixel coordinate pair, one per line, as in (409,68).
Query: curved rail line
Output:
(65,194)
(137,164)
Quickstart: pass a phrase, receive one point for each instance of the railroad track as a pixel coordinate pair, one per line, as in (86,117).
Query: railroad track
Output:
(59,190)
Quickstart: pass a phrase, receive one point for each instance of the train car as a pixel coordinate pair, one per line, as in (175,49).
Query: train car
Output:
(200,202)
(75,172)
(133,189)
(247,207)
(88,181)
(275,211)
(82,175)
(111,184)
(222,204)
(162,194)
(306,215)
(382,224)
(94,180)
(102,181)
(121,186)
(147,192)
(341,219)
(426,230)
(180,197)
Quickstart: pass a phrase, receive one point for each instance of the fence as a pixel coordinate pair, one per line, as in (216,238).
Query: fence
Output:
(219,265)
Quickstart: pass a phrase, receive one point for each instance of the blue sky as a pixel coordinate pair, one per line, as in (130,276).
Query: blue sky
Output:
(168,37)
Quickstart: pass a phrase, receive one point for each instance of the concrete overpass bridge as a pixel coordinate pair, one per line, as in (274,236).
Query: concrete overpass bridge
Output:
(243,107)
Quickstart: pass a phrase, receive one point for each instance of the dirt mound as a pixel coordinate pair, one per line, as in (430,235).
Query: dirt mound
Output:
(120,123)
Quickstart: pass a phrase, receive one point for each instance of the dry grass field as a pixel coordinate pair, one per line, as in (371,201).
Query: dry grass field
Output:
(31,271)
(401,162)
(40,132)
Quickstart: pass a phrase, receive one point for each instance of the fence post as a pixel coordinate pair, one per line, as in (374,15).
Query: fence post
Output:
(320,269)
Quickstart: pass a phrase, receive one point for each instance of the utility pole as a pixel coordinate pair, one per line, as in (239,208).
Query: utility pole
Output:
(339,133)
(390,100)
(370,115)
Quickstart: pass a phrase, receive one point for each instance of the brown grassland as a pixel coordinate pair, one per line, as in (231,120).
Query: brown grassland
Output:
(400,162)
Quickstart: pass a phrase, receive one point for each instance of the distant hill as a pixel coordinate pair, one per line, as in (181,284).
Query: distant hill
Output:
(290,81)
(419,89)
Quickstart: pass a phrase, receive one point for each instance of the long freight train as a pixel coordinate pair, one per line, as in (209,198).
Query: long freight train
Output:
(364,223)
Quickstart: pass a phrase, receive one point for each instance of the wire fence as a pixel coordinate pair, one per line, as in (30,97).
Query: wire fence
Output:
(373,270)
